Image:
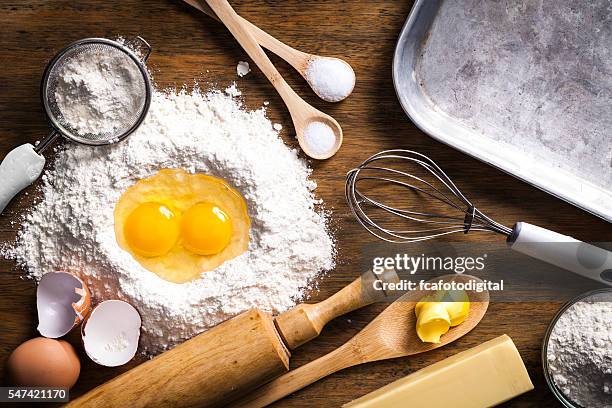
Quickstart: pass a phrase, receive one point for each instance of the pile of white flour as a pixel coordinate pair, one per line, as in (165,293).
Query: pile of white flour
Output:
(71,228)
(580,353)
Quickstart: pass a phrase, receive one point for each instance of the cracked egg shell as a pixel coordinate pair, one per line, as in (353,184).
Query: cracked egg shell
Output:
(62,301)
(110,334)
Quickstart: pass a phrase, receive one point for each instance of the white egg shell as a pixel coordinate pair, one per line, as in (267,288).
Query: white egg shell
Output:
(110,334)
(63,301)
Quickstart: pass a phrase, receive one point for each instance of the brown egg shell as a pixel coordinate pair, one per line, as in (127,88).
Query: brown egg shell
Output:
(63,301)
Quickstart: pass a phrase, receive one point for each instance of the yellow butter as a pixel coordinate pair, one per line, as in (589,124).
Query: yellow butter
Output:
(432,322)
(457,305)
(438,312)
(483,376)
(424,302)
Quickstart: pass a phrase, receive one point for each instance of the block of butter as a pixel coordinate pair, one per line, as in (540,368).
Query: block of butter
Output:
(483,376)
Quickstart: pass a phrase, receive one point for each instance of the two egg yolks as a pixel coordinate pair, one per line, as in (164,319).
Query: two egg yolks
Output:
(152,229)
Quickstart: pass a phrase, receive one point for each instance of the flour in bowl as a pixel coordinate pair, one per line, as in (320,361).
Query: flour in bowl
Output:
(579,352)
(71,227)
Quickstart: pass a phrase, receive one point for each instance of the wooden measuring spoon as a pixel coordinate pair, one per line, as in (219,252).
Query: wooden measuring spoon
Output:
(301,112)
(391,334)
(299,60)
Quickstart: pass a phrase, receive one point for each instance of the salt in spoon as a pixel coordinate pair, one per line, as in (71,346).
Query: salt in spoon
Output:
(305,117)
(304,63)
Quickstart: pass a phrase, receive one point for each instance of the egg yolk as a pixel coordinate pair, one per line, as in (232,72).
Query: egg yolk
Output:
(151,229)
(205,229)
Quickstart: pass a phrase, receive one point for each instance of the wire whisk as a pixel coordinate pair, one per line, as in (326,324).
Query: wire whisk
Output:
(402,196)
(413,172)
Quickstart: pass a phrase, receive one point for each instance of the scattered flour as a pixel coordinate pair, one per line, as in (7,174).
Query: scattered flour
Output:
(71,227)
(119,343)
(99,92)
(580,353)
(233,90)
(331,78)
(242,68)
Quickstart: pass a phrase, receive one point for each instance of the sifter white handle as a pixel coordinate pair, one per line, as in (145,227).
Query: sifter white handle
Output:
(19,169)
(562,251)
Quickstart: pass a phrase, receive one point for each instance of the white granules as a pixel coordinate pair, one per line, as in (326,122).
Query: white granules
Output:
(580,353)
(242,68)
(233,90)
(71,228)
(119,343)
(99,92)
(331,78)
(320,138)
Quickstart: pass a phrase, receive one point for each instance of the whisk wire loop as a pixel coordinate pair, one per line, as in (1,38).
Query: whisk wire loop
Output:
(435,185)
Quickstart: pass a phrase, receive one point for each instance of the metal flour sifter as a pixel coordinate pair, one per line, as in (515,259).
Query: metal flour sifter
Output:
(25,163)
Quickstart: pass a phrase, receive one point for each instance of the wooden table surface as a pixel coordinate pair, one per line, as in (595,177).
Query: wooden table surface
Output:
(189,46)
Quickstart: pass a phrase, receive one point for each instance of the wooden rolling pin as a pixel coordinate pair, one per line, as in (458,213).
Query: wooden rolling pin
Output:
(231,359)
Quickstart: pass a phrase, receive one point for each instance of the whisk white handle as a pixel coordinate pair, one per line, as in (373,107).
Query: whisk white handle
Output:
(19,169)
(562,251)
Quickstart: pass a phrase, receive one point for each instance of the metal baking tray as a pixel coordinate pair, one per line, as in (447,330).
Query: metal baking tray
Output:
(523,85)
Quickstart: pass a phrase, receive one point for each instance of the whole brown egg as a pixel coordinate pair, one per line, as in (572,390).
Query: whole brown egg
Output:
(43,362)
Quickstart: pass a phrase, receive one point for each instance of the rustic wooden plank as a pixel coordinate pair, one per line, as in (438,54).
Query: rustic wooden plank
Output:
(188,47)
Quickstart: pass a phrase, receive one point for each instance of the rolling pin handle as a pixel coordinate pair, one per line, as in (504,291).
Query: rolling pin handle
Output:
(305,322)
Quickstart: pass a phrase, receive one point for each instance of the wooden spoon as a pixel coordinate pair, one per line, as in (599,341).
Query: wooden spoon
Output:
(301,112)
(297,59)
(391,334)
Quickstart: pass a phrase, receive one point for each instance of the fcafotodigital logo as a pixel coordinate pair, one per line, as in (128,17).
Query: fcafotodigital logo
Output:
(412,264)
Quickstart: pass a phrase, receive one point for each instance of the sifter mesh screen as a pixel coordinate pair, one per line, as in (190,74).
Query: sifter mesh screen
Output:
(131,117)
